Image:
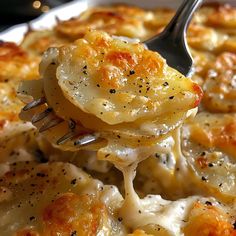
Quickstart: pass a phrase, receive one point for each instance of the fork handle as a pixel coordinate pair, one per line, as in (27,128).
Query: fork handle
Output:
(177,27)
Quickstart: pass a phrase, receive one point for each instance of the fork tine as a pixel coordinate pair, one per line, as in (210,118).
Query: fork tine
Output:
(86,139)
(34,103)
(37,117)
(50,124)
(65,138)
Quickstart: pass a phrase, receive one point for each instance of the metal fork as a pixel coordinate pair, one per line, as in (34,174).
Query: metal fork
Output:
(171,44)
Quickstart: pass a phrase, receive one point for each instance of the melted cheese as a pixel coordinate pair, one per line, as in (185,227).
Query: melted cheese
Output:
(209,220)
(16,64)
(56,198)
(119,20)
(126,75)
(213,133)
(15,136)
(216,131)
(36,42)
(205,168)
(222,16)
(220,84)
(205,38)
(118,107)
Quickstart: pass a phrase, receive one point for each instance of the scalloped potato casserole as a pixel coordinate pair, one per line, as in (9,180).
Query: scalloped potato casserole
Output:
(164,158)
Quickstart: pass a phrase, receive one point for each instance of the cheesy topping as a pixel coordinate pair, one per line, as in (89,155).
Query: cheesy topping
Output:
(121,20)
(126,75)
(36,42)
(220,84)
(56,198)
(191,170)
(16,64)
(15,136)
(208,220)
(121,90)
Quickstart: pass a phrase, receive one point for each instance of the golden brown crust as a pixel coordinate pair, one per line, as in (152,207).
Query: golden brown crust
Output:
(220,84)
(116,20)
(37,42)
(222,16)
(27,232)
(10,105)
(208,220)
(201,37)
(216,131)
(212,37)
(139,232)
(54,199)
(81,214)
(125,73)
(16,64)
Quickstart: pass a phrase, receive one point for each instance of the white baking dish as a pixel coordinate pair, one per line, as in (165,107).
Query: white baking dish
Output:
(47,20)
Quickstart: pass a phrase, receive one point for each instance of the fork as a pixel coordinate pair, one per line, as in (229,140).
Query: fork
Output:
(171,44)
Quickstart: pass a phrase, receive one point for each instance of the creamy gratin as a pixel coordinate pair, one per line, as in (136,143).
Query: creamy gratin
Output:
(178,165)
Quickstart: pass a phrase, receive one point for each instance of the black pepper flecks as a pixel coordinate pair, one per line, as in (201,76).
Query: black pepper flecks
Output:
(234,225)
(39,156)
(157,155)
(40,174)
(74,233)
(32,218)
(73,181)
(204,178)
(171,97)
(131,72)
(112,91)
(208,203)
(165,84)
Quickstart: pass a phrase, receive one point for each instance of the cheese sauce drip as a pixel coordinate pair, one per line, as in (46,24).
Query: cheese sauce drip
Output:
(129,96)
